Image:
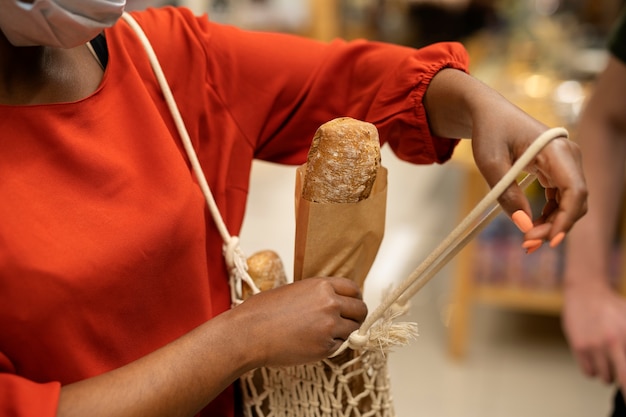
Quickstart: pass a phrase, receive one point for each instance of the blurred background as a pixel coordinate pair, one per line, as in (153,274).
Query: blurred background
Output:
(490,342)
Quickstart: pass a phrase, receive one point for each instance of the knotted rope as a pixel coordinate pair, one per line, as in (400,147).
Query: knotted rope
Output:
(471,225)
(358,387)
(395,302)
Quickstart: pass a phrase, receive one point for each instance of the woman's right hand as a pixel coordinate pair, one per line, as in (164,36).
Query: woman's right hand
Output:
(301,322)
(294,324)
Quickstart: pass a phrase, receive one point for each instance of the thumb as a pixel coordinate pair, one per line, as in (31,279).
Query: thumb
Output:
(513,200)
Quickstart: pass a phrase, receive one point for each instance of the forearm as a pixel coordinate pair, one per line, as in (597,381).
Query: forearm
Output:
(590,244)
(268,329)
(456,103)
(602,140)
(176,380)
(459,105)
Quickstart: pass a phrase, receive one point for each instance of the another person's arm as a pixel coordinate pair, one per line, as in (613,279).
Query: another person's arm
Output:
(594,315)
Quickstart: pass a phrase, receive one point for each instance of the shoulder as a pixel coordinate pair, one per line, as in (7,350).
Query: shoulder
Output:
(166,24)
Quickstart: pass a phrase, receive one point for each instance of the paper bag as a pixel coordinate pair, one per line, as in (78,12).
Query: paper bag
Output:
(339,239)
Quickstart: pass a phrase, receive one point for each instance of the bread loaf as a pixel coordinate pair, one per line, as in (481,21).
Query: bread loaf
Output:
(342,162)
(266,270)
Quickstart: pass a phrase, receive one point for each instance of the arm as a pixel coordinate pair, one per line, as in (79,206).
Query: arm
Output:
(594,316)
(459,105)
(288,86)
(268,329)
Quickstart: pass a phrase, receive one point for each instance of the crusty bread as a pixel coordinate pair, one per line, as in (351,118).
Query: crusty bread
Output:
(266,270)
(342,162)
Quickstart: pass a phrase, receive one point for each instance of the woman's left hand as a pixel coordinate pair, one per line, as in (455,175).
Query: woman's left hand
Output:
(459,105)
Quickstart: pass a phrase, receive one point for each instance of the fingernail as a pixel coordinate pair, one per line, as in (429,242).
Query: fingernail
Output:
(531,250)
(532,242)
(522,221)
(556,240)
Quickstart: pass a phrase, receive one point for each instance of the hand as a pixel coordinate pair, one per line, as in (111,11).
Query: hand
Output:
(594,321)
(305,321)
(558,168)
(294,324)
(459,105)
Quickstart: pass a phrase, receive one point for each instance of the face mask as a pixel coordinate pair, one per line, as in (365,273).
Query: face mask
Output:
(57,23)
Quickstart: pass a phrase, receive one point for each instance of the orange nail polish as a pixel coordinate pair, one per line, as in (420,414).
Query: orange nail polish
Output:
(556,240)
(531,250)
(531,243)
(522,221)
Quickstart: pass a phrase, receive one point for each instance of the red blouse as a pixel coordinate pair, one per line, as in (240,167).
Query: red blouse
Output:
(106,249)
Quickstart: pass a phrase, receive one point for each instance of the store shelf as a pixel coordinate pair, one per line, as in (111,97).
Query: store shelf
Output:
(494,270)
(526,299)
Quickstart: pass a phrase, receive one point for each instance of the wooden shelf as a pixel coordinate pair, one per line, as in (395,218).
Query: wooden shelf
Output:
(476,284)
(526,299)
(488,272)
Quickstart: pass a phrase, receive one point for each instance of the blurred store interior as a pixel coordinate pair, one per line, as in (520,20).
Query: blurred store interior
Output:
(490,341)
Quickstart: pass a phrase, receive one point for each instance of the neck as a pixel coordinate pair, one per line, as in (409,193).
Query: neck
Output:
(39,74)
(14,58)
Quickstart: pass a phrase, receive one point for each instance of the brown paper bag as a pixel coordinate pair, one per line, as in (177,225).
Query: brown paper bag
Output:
(339,239)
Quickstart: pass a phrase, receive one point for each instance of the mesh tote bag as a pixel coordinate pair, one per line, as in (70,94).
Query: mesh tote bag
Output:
(354,382)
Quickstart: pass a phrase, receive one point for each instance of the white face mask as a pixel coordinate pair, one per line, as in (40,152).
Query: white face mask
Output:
(57,23)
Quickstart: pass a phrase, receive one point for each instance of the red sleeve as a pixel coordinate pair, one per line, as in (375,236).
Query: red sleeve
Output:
(291,85)
(21,397)
(280,88)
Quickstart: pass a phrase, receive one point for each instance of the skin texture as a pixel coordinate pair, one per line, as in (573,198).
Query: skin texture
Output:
(461,106)
(182,377)
(594,316)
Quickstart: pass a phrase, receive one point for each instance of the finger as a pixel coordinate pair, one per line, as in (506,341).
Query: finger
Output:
(557,239)
(551,193)
(493,167)
(346,287)
(539,232)
(586,364)
(354,309)
(618,359)
(571,207)
(532,243)
(345,328)
(559,165)
(549,210)
(533,249)
(522,220)
(602,366)
(513,200)
(337,342)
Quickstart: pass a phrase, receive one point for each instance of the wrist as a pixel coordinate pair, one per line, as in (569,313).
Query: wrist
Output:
(578,279)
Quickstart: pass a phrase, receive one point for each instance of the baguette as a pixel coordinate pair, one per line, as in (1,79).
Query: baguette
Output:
(342,162)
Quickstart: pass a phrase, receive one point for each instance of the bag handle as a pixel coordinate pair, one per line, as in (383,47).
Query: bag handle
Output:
(469,227)
(233,255)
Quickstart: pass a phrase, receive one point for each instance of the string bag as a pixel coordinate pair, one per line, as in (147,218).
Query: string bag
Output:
(354,381)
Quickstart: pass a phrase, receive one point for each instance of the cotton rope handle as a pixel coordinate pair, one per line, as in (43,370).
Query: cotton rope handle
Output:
(455,241)
(447,249)
(233,255)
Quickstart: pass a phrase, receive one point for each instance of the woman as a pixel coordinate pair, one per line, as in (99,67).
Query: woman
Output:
(115,298)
